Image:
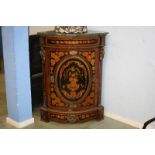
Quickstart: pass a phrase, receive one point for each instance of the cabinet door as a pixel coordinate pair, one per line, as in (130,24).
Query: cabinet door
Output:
(73,79)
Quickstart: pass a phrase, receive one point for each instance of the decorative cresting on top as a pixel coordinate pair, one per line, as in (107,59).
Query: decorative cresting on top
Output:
(70,29)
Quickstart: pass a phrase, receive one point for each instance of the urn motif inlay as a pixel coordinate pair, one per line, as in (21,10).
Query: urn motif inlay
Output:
(73,79)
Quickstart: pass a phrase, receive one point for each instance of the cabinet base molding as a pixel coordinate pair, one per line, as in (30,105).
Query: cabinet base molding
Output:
(72,116)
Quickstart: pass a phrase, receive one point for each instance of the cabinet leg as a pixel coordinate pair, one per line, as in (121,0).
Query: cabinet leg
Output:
(100,113)
(44,115)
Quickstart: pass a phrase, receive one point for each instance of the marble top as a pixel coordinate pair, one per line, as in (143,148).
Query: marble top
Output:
(54,34)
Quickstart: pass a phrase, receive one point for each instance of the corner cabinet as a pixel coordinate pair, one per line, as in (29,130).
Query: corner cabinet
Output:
(72,69)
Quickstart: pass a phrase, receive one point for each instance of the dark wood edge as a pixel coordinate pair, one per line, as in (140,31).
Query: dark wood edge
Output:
(148,122)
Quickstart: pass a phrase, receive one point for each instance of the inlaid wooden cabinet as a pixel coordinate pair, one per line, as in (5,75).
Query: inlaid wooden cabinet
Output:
(72,69)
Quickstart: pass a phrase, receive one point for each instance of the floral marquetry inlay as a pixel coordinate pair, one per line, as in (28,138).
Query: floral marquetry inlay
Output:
(73,80)
(72,69)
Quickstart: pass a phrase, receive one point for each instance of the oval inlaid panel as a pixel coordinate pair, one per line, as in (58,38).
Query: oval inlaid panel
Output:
(73,79)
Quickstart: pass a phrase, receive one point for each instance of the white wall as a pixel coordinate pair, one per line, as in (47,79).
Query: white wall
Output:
(35,29)
(128,71)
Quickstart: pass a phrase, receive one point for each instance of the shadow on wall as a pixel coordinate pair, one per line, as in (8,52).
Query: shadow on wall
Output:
(0,43)
(35,71)
(1,52)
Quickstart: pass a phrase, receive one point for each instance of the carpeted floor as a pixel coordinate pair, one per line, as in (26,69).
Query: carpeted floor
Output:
(3,108)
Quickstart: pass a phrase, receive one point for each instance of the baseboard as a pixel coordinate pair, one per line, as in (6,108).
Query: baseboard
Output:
(19,124)
(124,120)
